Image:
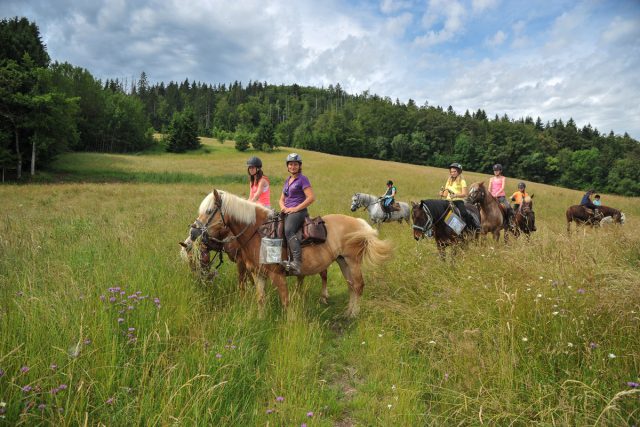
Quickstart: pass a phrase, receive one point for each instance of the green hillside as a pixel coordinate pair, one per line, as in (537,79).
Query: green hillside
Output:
(531,332)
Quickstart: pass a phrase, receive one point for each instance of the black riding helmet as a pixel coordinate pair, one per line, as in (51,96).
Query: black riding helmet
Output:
(497,167)
(389,182)
(456,166)
(294,157)
(254,161)
(522,185)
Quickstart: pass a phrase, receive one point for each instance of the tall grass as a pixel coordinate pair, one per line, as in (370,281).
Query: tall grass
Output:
(100,321)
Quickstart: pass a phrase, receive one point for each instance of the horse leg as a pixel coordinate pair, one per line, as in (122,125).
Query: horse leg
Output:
(354,281)
(258,279)
(243,275)
(324,296)
(280,282)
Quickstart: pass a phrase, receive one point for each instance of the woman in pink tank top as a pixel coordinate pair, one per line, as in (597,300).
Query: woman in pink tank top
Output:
(259,190)
(497,184)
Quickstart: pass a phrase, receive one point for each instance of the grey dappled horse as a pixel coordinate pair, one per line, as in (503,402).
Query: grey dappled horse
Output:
(376,214)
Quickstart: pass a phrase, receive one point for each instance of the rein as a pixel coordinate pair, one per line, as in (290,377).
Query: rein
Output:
(430,222)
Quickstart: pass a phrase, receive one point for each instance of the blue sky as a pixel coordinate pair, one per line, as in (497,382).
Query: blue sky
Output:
(552,59)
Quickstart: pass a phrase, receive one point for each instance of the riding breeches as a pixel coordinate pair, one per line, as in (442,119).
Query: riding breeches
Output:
(293,222)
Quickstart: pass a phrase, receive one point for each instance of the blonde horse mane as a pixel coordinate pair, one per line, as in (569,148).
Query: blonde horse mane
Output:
(233,206)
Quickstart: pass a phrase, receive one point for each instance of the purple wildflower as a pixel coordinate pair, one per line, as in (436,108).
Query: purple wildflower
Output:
(110,401)
(303,425)
(310,414)
(633,384)
(1,372)
(102,298)
(123,293)
(42,406)
(593,346)
(54,390)
(269,411)
(112,299)
(233,347)
(62,387)
(581,291)
(131,329)
(3,410)
(156,301)
(130,308)
(27,388)
(120,320)
(279,399)
(87,341)
(53,366)
(132,296)
(19,293)
(24,369)
(218,355)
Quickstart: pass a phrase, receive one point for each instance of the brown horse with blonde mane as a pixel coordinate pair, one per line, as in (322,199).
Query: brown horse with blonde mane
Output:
(493,217)
(525,219)
(350,242)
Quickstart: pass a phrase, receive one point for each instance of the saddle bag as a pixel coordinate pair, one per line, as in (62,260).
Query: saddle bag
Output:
(314,230)
(273,228)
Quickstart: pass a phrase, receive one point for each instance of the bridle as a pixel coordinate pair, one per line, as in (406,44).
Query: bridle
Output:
(428,226)
(358,203)
(213,243)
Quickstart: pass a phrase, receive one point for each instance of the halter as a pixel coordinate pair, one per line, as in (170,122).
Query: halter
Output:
(361,204)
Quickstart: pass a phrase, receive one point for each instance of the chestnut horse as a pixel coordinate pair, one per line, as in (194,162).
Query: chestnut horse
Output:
(225,217)
(582,216)
(525,219)
(492,217)
(201,260)
(429,219)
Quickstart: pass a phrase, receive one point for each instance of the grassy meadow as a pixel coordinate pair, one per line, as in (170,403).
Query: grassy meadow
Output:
(101,323)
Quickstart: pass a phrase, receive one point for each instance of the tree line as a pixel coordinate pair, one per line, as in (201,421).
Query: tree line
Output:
(120,117)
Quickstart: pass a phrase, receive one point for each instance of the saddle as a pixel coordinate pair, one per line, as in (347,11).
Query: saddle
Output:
(313,230)
(393,207)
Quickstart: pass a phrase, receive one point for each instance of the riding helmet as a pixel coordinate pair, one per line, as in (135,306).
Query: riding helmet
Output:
(456,166)
(497,167)
(254,161)
(294,157)
(389,182)
(522,185)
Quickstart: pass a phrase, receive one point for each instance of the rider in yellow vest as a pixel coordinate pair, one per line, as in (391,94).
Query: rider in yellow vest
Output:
(455,189)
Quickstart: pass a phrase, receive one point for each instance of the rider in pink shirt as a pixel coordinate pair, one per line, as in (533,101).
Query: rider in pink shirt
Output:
(497,184)
(259,190)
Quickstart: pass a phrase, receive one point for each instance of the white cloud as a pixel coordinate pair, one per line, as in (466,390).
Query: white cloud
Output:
(497,39)
(450,14)
(397,25)
(482,5)
(391,6)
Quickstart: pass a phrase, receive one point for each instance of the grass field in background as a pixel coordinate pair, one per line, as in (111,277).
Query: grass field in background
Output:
(102,323)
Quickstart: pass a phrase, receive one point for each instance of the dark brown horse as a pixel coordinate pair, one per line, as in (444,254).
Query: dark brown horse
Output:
(525,218)
(428,218)
(583,216)
(493,217)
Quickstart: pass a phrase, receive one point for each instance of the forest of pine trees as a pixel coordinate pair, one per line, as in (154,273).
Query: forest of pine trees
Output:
(115,116)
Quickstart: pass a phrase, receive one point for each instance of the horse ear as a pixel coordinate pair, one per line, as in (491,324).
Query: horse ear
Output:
(413,204)
(217,197)
(532,195)
(183,244)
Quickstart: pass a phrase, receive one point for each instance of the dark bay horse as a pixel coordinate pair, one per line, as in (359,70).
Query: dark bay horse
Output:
(525,219)
(429,218)
(350,242)
(583,216)
(493,218)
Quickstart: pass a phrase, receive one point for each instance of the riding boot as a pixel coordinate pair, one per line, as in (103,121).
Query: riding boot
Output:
(295,264)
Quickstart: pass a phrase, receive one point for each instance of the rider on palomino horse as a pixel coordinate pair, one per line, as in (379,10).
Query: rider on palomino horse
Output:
(518,197)
(455,190)
(296,196)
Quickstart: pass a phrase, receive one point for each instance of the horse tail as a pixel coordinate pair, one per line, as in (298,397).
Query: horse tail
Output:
(366,244)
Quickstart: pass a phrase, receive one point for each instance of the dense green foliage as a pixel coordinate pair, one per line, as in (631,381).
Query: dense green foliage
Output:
(118,116)
(182,134)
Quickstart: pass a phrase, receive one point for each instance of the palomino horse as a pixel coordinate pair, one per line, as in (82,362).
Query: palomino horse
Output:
(525,219)
(201,260)
(429,219)
(581,216)
(376,215)
(225,217)
(492,217)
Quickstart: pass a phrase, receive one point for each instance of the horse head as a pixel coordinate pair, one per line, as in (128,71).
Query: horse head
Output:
(477,192)
(355,202)
(422,220)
